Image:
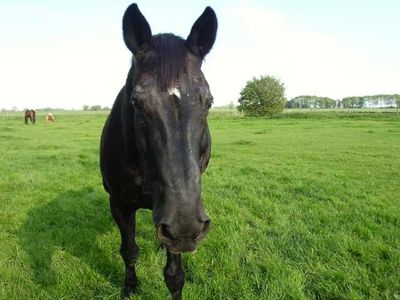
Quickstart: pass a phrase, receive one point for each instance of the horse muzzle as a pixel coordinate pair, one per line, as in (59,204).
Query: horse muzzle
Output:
(180,243)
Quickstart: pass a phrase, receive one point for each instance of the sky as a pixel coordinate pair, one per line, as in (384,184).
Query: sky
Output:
(67,53)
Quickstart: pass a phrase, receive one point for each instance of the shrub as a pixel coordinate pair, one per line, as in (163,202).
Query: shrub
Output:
(262,97)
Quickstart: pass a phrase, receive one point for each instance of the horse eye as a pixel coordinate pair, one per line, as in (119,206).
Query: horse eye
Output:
(138,105)
(210,103)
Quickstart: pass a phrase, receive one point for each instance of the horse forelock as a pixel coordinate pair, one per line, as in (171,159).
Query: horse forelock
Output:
(169,63)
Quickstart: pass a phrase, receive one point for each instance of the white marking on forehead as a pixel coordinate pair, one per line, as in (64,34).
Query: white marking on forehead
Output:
(174,91)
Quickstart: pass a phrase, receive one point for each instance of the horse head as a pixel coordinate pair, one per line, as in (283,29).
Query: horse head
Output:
(171,99)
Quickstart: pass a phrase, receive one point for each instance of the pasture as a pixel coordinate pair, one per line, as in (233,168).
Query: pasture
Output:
(303,207)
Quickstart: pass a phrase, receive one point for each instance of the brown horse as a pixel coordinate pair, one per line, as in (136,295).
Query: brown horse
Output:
(31,115)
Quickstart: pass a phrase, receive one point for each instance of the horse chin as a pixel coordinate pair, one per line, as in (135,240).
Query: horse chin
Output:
(179,249)
(173,251)
(180,252)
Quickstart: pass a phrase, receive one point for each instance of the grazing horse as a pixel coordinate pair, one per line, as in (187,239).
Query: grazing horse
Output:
(50,118)
(31,115)
(156,143)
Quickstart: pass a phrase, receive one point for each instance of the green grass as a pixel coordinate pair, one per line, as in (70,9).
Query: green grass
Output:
(303,207)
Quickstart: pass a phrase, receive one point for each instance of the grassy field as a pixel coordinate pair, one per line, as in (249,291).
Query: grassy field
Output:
(303,207)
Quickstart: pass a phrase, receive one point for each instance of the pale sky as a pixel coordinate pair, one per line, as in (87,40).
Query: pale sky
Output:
(66,53)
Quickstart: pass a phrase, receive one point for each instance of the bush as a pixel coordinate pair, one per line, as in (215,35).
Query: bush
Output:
(262,97)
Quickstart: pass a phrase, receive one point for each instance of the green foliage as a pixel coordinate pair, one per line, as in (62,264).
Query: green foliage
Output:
(347,102)
(353,102)
(262,97)
(311,102)
(95,107)
(382,100)
(302,208)
(397,100)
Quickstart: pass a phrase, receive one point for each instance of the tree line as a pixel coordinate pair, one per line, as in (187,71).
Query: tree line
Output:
(382,100)
(372,101)
(94,107)
(266,96)
(311,102)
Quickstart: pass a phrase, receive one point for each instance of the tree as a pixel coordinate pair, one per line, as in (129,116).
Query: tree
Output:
(353,102)
(397,97)
(262,97)
(85,107)
(311,102)
(95,107)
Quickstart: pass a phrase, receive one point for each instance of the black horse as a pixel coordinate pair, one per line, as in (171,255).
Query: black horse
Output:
(31,115)
(156,143)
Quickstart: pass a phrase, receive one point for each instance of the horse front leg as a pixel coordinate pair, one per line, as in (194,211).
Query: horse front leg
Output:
(174,275)
(124,216)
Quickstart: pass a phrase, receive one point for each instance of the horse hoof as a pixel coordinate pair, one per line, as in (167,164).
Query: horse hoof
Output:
(129,291)
(126,293)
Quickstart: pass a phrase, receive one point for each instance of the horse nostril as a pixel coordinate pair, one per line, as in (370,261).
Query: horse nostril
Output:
(204,230)
(206,227)
(164,233)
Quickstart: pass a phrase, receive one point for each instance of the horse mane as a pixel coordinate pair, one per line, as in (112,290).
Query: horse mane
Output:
(170,51)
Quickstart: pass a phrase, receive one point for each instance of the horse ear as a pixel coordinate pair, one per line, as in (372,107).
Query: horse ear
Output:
(203,33)
(136,30)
